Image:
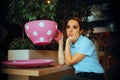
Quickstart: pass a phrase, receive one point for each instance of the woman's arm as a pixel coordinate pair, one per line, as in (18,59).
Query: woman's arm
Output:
(61,52)
(69,59)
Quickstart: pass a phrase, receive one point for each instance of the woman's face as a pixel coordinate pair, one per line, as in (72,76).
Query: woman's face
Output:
(73,27)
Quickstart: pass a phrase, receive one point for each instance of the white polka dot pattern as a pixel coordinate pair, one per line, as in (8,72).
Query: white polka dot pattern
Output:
(41,31)
(41,24)
(41,39)
(35,33)
(49,32)
(26,27)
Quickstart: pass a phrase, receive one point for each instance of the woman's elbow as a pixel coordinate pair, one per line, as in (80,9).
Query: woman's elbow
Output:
(68,63)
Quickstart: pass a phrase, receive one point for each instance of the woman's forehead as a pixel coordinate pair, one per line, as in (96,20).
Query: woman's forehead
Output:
(73,22)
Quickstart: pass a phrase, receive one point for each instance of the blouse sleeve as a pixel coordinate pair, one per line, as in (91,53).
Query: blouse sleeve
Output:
(86,47)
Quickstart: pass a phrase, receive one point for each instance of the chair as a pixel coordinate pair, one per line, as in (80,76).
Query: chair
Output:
(105,62)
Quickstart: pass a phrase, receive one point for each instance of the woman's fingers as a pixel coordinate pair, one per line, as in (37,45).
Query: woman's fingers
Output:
(75,36)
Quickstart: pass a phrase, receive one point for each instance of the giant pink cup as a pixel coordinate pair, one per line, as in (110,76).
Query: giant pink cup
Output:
(42,32)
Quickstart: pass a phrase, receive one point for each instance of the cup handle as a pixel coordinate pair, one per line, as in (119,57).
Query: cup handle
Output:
(57,38)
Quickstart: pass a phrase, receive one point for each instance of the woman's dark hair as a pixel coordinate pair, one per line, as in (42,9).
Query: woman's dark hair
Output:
(78,20)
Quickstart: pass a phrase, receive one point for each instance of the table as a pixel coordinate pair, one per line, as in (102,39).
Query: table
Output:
(41,73)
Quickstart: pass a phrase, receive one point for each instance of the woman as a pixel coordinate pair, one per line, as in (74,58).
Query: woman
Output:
(80,52)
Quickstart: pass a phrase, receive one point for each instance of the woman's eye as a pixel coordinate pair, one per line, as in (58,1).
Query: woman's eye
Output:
(67,26)
(75,27)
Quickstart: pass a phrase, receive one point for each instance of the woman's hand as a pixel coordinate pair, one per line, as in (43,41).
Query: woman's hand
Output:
(60,35)
(61,40)
(73,38)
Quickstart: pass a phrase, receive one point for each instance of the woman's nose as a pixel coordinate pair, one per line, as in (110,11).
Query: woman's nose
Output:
(70,30)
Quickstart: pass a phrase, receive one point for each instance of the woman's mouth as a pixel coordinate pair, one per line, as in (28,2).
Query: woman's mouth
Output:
(70,35)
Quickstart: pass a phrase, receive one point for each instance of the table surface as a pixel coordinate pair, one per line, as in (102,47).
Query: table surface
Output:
(36,71)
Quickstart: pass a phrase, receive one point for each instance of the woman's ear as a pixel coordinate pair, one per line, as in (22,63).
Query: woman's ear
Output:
(81,31)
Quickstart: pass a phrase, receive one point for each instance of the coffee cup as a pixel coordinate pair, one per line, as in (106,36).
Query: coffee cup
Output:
(42,32)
